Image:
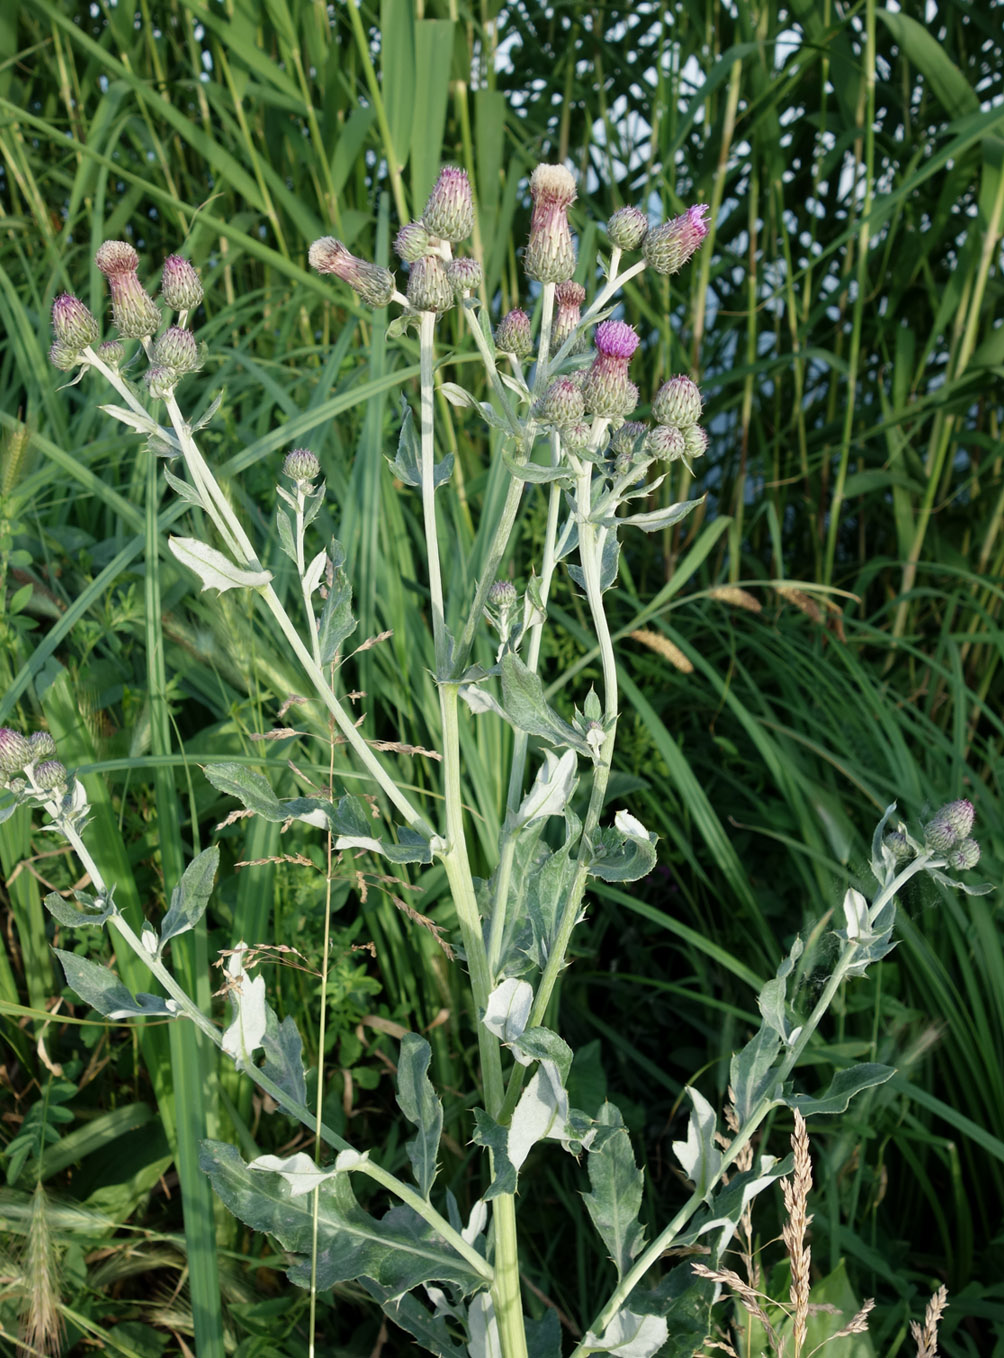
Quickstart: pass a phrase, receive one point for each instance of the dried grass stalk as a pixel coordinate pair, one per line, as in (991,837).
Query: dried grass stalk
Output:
(926,1335)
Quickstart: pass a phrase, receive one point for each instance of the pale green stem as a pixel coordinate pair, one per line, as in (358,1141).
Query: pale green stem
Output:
(521,739)
(666,1237)
(409,1196)
(544,345)
(427,325)
(491,368)
(301,569)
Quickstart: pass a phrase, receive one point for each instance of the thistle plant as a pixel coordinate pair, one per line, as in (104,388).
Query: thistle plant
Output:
(564,391)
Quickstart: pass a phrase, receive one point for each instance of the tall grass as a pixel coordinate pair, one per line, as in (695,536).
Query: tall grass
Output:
(846,342)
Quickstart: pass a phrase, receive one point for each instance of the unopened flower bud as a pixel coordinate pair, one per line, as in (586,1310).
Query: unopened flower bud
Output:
(301,465)
(49,774)
(898,845)
(568,297)
(561,404)
(64,358)
(428,285)
(666,442)
(959,815)
(15,752)
(112,352)
(668,247)
(550,253)
(449,213)
(678,402)
(41,745)
(412,242)
(629,438)
(627,228)
(939,835)
(373,284)
(177,349)
(179,284)
(964,856)
(577,436)
(73,325)
(695,440)
(502,594)
(161,381)
(513,335)
(465,275)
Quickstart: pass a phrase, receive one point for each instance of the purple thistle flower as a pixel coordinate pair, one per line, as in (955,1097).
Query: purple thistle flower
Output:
(179,284)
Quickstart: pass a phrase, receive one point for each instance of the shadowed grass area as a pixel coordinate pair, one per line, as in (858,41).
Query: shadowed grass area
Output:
(842,325)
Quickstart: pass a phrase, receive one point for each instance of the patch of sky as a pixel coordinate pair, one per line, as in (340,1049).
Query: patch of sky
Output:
(786,44)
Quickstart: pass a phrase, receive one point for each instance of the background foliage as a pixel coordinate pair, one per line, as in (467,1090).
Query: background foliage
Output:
(842,324)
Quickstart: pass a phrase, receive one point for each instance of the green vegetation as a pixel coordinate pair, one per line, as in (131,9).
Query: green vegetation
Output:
(835,608)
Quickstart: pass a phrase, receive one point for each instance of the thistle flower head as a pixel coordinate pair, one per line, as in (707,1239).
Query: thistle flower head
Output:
(949,826)
(412,242)
(964,856)
(695,440)
(561,403)
(116,257)
(300,464)
(161,381)
(502,594)
(666,442)
(429,287)
(668,247)
(678,402)
(64,358)
(177,349)
(899,846)
(42,745)
(179,284)
(513,334)
(629,438)
(449,213)
(627,228)
(112,352)
(373,284)
(615,339)
(133,309)
(73,326)
(550,253)
(15,752)
(465,275)
(569,297)
(49,774)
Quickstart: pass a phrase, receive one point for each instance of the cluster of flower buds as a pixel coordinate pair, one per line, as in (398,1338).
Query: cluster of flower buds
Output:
(28,764)
(676,409)
(435,278)
(948,835)
(136,315)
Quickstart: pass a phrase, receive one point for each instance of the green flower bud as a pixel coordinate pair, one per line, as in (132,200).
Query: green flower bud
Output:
(577,436)
(666,442)
(15,752)
(42,745)
(964,856)
(561,404)
(569,297)
(301,465)
(465,276)
(161,381)
(629,438)
(179,284)
(177,349)
(608,390)
(899,846)
(428,285)
(513,334)
(133,309)
(695,441)
(627,228)
(959,816)
(449,213)
(49,774)
(112,352)
(64,358)
(412,242)
(73,326)
(678,402)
